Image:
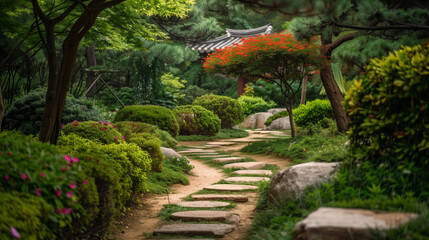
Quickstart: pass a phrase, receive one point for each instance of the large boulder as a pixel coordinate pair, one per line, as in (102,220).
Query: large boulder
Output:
(276,110)
(291,182)
(169,153)
(256,120)
(279,124)
(347,224)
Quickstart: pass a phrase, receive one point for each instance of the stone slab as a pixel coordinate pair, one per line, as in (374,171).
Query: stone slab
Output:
(247,140)
(197,151)
(227,197)
(221,143)
(254,172)
(217,230)
(205,215)
(247,179)
(246,165)
(230,187)
(228,159)
(203,204)
(213,156)
(338,223)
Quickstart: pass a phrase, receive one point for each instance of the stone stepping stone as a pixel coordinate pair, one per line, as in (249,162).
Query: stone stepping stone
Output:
(247,140)
(206,215)
(203,204)
(254,172)
(213,156)
(217,230)
(247,179)
(197,151)
(230,187)
(228,159)
(246,165)
(204,153)
(227,197)
(221,143)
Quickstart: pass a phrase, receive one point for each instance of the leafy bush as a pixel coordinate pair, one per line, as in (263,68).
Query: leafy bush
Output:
(39,169)
(194,119)
(319,128)
(253,105)
(156,115)
(166,139)
(94,131)
(126,95)
(190,93)
(312,112)
(25,213)
(143,135)
(25,114)
(389,114)
(276,116)
(227,109)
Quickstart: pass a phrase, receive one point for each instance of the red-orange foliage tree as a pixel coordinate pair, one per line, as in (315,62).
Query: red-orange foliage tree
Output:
(277,58)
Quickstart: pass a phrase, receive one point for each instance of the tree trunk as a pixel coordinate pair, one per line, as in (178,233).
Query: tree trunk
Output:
(304,90)
(289,110)
(241,85)
(1,108)
(91,60)
(331,87)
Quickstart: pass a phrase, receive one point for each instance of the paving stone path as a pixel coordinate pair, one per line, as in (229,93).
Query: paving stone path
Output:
(218,216)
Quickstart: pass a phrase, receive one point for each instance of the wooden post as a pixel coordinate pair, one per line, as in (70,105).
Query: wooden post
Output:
(241,85)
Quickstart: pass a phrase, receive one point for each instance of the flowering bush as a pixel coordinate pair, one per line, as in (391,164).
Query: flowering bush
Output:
(94,131)
(196,120)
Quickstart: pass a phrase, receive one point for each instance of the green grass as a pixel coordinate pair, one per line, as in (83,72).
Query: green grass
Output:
(222,134)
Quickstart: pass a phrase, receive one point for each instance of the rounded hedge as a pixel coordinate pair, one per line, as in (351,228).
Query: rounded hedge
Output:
(229,110)
(312,112)
(253,105)
(276,116)
(94,131)
(25,114)
(196,120)
(155,115)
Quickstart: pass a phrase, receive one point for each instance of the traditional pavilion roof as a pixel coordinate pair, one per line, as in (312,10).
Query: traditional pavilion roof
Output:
(232,36)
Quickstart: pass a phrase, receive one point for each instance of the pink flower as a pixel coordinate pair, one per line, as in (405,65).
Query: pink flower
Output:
(24,176)
(103,128)
(6,177)
(116,138)
(69,194)
(75,160)
(8,153)
(43,175)
(67,158)
(100,122)
(63,168)
(85,182)
(72,185)
(38,192)
(105,124)
(14,232)
(69,211)
(76,124)
(62,125)
(58,193)
(123,137)
(64,211)
(57,210)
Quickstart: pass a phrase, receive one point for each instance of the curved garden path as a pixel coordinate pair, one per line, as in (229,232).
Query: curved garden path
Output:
(143,222)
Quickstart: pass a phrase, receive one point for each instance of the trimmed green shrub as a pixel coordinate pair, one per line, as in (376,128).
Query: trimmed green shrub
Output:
(155,115)
(389,115)
(166,139)
(145,136)
(94,131)
(196,120)
(25,213)
(312,112)
(253,105)
(25,114)
(276,116)
(227,109)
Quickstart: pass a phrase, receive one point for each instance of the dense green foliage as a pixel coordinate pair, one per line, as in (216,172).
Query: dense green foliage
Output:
(276,116)
(227,109)
(125,94)
(145,136)
(222,134)
(190,93)
(196,120)
(312,112)
(25,114)
(156,115)
(253,105)
(94,131)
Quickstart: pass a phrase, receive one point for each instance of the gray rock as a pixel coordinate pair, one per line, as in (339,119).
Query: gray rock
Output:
(256,120)
(245,165)
(347,224)
(291,182)
(206,215)
(228,159)
(254,172)
(227,197)
(203,204)
(217,230)
(169,153)
(279,124)
(230,187)
(247,179)
(276,110)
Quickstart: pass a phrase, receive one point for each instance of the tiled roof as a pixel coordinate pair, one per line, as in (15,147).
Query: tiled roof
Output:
(232,36)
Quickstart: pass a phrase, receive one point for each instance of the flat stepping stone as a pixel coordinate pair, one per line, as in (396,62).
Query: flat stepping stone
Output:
(204,153)
(198,151)
(254,172)
(246,165)
(226,197)
(203,204)
(230,187)
(247,179)
(228,159)
(247,140)
(217,230)
(213,156)
(221,143)
(206,215)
